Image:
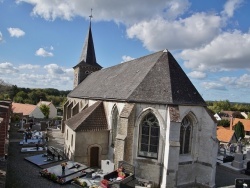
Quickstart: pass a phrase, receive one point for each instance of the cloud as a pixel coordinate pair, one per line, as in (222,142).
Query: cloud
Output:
(119,11)
(213,85)
(1,36)
(7,68)
(29,66)
(42,52)
(197,75)
(16,32)
(228,80)
(226,52)
(126,58)
(158,34)
(40,77)
(230,7)
(176,8)
(243,81)
(54,69)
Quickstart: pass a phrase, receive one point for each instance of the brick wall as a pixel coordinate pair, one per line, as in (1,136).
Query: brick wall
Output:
(5,114)
(2,137)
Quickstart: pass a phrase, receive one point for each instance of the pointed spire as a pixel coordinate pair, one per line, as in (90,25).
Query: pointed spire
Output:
(88,52)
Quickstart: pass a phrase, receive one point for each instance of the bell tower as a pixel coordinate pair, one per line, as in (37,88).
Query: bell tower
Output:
(87,63)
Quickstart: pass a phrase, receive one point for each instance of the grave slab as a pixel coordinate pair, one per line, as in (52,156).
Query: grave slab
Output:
(72,170)
(33,149)
(42,159)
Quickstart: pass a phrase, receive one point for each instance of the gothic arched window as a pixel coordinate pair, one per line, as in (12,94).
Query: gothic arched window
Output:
(149,136)
(185,136)
(115,117)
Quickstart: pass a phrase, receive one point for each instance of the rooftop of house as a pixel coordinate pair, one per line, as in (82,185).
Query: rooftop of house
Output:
(44,102)
(245,122)
(224,134)
(92,118)
(26,109)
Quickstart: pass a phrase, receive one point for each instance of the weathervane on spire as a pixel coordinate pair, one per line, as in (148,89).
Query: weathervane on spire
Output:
(90,17)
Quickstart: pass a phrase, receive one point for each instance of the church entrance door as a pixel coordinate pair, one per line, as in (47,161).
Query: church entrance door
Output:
(94,157)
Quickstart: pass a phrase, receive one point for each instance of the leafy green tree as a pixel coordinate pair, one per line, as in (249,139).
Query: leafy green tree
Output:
(13,91)
(4,89)
(45,110)
(224,123)
(219,106)
(239,130)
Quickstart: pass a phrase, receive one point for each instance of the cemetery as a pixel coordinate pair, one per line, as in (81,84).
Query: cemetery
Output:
(235,157)
(54,166)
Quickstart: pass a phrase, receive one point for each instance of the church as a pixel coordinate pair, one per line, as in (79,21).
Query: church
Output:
(145,112)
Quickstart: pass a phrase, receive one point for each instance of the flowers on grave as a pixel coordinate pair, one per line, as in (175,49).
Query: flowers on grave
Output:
(78,182)
(53,177)
(121,174)
(61,180)
(44,172)
(95,186)
(63,165)
(105,182)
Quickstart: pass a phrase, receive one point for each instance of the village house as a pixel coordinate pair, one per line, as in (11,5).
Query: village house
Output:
(146,112)
(27,111)
(245,122)
(226,136)
(52,108)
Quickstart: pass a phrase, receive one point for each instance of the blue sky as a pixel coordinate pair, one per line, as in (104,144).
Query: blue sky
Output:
(40,41)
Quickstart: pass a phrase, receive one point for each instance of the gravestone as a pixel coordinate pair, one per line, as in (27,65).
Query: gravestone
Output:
(247,159)
(43,126)
(107,166)
(238,161)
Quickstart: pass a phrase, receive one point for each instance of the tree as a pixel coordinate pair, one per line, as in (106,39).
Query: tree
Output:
(45,110)
(224,123)
(219,106)
(239,130)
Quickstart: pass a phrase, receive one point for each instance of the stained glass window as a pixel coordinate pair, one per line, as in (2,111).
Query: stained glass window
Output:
(185,136)
(149,136)
(115,117)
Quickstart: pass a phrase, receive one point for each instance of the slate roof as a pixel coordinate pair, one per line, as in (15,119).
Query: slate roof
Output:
(155,78)
(88,52)
(92,118)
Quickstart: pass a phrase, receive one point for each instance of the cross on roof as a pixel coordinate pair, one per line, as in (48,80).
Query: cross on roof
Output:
(91,15)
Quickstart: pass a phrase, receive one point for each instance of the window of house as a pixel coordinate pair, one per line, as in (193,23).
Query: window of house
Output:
(185,136)
(149,136)
(115,117)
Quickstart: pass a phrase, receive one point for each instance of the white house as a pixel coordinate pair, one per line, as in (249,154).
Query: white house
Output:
(52,108)
(27,110)
(217,117)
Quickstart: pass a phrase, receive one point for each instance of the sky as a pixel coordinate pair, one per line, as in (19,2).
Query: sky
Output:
(41,40)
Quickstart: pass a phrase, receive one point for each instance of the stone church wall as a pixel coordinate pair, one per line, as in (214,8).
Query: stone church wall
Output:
(199,167)
(69,149)
(85,140)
